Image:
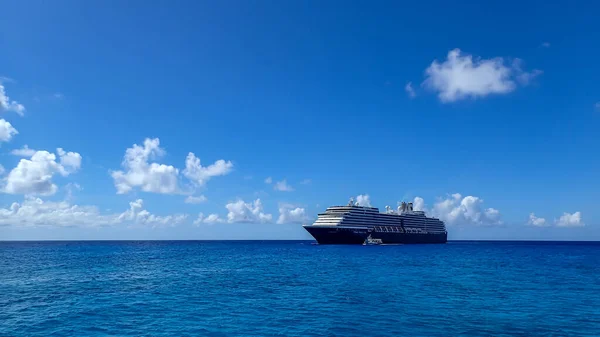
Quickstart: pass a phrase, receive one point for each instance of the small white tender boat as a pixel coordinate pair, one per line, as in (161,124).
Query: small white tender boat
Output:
(371,242)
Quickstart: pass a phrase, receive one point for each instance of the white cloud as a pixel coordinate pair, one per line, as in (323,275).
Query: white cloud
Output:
(70,187)
(210,219)
(34,176)
(195,200)
(37,212)
(199,175)
(419,204)
(138,215)
(7,105)
(460,76)
(283,186)
(363,200)
(25,151)
(150,177)
(269,180)
(524,77)
(570,220)
(456,210)
(535,221)
(291,214)
(71,161)
(7,131)
(161,178)
(410,90)
(240,211)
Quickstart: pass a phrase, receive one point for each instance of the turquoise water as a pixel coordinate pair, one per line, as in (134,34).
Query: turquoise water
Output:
(299,289)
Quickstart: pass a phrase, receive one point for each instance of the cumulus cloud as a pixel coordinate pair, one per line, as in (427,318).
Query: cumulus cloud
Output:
(210,219)
(71,161)
(37,212)
(25,151)
(535,221)
(419,204)
(570,220)
(7,131)
(461,76)
(138,215)
(7,105)
(291,214)
(160,178)
(195,200)
(269,180)
(456,210)
(363,200)
(283,186)
(410,90)
(240,211)
(138,172)
(34,175)
(199,174)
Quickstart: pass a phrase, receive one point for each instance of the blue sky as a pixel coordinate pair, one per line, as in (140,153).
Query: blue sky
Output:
(485,114)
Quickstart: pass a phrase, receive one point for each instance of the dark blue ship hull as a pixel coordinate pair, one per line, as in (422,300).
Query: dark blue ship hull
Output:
(338,235)
(357,236)
(408,238)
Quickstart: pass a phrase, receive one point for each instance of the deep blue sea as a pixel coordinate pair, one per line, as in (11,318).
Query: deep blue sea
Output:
(291,288)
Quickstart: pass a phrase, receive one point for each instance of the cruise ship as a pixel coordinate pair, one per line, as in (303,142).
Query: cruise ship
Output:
(356,224)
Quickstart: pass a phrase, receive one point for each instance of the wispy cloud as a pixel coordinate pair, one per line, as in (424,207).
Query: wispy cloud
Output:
(25,151)
(195,200)
(283,186)
(545,44)
(305,182)
(409,90)
(7,131)
(7,105)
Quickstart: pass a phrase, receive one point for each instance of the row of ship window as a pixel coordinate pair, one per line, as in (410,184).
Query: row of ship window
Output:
(396,229)
(406,223)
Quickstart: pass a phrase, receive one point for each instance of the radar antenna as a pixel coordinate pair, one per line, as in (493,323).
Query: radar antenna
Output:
(351,203)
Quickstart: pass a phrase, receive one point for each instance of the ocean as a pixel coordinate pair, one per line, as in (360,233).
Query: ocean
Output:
(295,288)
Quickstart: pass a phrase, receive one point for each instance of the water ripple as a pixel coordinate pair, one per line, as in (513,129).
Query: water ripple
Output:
(297,289)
